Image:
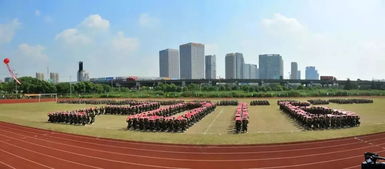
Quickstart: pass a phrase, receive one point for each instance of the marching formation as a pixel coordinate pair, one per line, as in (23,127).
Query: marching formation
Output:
(167,102)
(241,118)
(162,119)
(227,103)
(162,115)
(318,101)
(259,102)
(129,110)
(350,101)
(98,101)
(76,117)
(319,117)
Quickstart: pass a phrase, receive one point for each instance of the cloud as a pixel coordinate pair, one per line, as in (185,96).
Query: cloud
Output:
(27,59)
(32,52)
(296,42)
(103,50)
(96,22)
(123,44)
(73,37)
(7,31)
(147,21)
(37,12)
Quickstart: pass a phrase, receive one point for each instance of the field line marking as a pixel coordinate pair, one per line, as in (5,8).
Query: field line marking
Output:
(312,163)
(7,165)
(50,156)
(85,155)
(60,134)
(169,151)
(26,159)
(355,166)
(192,152)
(212,122)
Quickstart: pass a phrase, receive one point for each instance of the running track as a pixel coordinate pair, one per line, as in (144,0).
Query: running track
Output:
(25,147)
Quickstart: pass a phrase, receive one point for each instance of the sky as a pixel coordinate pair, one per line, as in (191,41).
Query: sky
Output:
(344,38)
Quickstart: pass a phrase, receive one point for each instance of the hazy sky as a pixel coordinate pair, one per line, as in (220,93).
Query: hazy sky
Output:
(344,38)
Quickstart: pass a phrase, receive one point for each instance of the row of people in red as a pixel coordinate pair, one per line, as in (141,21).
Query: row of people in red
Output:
(161,120)
(241,118)
(320,117)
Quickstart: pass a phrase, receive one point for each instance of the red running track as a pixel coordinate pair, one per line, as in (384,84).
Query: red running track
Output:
(8,101)
(25,147)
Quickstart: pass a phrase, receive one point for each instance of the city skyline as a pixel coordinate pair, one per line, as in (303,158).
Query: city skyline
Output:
(109,36)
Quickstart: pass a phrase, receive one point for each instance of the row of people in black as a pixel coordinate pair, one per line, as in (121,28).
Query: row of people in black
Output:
(227,103)
(76,117)
(350,101)
(318,101)
(129,110)
(259,102)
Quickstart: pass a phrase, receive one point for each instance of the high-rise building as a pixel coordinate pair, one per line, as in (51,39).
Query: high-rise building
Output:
(8,79)
(169,63)
(311,73)
(39,76)
(253,71)
(299,75)
(82,75)
(270,66)
(294,70)
(211,71)
(54,77)
(80,72)
(250,71)
(246,71)
(234,65)
(192,61)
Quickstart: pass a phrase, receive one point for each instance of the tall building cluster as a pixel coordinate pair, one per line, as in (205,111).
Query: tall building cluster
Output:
(54,77)
(39,76)
(190,62)
(311,73)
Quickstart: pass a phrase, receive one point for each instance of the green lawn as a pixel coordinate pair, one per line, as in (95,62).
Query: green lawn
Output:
(267,124)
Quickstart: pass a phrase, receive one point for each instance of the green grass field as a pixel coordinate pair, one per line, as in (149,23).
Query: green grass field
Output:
(267,124)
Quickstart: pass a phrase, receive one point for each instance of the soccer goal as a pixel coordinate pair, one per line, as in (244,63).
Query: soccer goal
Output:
(42,96)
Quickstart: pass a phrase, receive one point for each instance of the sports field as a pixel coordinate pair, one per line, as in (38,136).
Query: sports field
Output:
(267,124)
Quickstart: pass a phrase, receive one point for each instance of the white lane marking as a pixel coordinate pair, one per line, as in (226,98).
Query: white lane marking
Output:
(26,159)
(234,146)
(181,159)
(9,166)
(103,159)
(219,153)
(355,166)
(312,163)
(51,156)
(212,122)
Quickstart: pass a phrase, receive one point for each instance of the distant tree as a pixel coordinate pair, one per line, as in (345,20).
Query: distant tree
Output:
(350,85)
